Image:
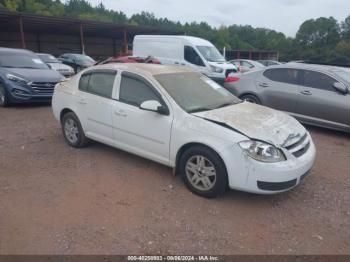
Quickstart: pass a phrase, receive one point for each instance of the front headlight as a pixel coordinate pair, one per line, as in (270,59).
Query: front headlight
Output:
(216,69)
(17,79)
(261,151)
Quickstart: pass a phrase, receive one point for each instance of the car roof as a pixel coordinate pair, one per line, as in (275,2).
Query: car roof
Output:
(150,69)
(316,67)
(192,39)
(5,50)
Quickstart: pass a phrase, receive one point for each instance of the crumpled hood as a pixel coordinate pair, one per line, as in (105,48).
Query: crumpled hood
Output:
(36,75)
(258,122)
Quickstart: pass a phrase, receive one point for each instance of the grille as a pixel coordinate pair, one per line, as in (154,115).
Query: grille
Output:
(229,71)
(298,143)
(43,88)
(300,147)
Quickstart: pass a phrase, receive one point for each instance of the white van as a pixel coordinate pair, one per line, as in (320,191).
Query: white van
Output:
(193,52)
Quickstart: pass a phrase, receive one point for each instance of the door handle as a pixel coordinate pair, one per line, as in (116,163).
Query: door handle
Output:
(177,63)
(263,85)
(82,102)
(120,113)
(305,92)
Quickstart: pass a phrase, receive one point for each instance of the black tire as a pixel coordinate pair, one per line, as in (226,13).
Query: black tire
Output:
(221,180)
(77,69)
(80,140)
(4,101)
(251,99)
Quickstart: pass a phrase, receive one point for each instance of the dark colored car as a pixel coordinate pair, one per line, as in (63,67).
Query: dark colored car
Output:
(130,59)
(25,78)
(77,61)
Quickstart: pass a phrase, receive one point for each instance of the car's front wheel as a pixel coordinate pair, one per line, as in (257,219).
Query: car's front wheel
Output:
(203,171)
(72,131)
(3,96)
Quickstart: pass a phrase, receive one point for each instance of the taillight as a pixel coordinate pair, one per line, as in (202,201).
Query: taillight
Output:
(231,79)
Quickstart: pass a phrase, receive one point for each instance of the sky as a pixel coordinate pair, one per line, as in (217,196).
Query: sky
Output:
(281,15)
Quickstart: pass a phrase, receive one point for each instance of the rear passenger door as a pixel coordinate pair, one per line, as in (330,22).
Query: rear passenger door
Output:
(318,98)
(94,103)
(278,88)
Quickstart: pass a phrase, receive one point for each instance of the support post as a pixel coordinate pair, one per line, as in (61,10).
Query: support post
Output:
(114,47)
(38,42)
(20,20)
(82,46)
(250,55)
(125,43)
(238,55)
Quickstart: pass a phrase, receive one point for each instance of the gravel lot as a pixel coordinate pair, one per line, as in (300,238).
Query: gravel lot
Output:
(100,200)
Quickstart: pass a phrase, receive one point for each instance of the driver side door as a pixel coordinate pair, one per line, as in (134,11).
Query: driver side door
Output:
(139,131)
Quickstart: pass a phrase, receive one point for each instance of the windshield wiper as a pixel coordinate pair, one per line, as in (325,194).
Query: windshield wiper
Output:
(199,109)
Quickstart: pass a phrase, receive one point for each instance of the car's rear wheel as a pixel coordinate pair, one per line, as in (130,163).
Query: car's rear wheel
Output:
(3,96)
(203,171)
(72,131)
(251,99)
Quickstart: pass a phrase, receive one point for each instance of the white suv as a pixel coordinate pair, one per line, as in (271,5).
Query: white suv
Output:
(184,120)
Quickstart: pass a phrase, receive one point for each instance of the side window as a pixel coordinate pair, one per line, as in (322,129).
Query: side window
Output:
(246,64)
(84,82)
(134,91)
(318,80)
(98,83)
(284,75)
(192,56)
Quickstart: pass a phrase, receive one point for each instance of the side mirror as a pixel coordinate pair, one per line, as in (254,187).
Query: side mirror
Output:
(341,88)
(154,106)
(49,66)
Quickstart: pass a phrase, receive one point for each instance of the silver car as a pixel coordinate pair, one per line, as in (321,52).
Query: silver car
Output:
(314,94)
(246,65)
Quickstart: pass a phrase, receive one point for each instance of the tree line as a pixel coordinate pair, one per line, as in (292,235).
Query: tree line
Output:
(321,40)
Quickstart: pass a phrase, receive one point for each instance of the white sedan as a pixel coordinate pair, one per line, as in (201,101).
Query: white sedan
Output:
(184,120)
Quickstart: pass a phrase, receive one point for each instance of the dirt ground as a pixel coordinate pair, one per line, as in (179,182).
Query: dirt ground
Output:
(100,200)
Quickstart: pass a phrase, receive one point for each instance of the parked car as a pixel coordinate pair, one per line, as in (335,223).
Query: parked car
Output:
(57,65)
(130,59)
(184,120)
(246,65)
(195,53)
(316,95)
(77,61)
(269,62)
(25,78)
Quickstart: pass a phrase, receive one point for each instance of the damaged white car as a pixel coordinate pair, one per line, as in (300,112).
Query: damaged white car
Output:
(184,120)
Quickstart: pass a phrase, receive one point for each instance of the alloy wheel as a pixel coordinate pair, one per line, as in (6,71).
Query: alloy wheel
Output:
(71,130)
(201,172)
